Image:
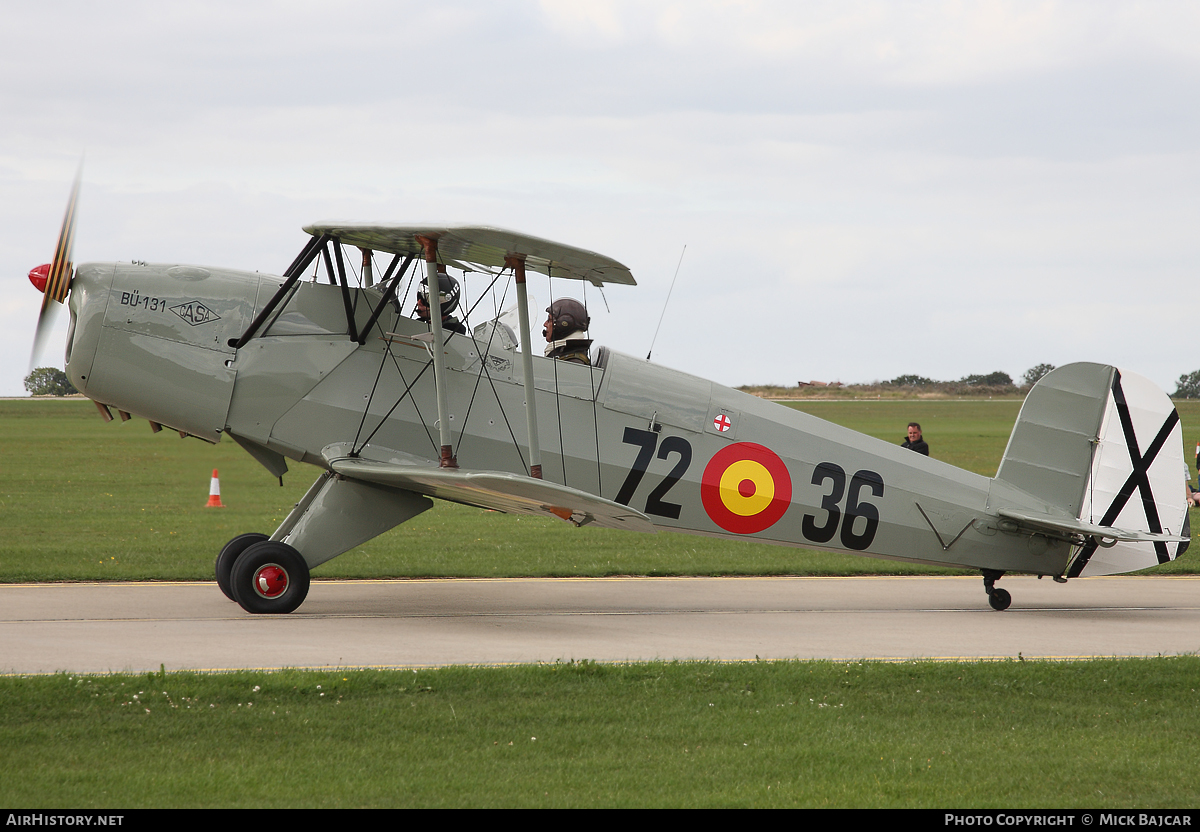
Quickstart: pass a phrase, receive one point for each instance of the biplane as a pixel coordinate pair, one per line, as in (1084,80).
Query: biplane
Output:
(321,365)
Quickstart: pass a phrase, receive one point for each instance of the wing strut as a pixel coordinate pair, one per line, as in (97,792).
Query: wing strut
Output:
(429,245)
(341,279)
(292,275)
(517,263)
(389,293)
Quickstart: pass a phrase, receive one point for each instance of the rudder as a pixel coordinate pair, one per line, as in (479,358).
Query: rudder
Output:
(1106,448)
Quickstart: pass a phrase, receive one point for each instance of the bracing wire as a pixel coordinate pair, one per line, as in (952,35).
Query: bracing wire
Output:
(483,353)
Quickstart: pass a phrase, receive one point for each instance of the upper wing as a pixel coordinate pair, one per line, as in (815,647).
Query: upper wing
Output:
(484,246)
(510,493)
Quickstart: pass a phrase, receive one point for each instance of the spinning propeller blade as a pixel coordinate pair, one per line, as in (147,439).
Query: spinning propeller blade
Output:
(54,279)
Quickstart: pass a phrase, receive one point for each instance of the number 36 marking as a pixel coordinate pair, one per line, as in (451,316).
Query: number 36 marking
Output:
(856,507)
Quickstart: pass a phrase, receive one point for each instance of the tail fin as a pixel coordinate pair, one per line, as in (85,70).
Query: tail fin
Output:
(1105,448)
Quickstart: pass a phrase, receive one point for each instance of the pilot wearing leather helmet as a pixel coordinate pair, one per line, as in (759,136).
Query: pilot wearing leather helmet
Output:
(566,331)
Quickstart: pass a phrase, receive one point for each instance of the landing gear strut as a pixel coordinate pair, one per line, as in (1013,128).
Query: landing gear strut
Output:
(998,598)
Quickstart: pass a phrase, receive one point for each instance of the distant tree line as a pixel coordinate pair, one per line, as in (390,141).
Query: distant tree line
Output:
(998,381)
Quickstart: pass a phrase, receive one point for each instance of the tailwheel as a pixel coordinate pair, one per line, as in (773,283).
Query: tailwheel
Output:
(229,554)
(269,577)
(999,599)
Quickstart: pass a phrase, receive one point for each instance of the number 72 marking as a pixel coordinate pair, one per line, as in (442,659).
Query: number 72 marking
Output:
(646,441)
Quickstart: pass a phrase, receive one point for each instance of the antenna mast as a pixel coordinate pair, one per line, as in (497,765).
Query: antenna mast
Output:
(668,300)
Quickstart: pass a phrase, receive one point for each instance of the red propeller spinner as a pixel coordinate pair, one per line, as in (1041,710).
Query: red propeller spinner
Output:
(38,276)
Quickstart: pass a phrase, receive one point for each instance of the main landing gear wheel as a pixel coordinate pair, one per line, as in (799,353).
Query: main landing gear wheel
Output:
(229,554)
(269,577)
(998,598)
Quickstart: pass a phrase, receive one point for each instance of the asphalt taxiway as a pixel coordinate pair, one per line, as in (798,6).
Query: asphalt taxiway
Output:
(109,627)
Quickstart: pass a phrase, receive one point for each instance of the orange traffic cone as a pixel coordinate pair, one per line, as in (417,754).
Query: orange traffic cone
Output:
(214,492)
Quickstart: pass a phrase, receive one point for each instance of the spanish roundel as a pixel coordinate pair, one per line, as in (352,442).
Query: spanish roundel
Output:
(745,488)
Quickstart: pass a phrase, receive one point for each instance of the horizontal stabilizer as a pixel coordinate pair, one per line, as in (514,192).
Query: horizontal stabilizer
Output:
(509,493)
(1105,535)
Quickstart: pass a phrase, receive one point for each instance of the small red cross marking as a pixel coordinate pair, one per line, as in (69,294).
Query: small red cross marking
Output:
(722,423)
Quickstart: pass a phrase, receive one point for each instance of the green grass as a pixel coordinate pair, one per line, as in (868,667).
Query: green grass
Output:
(970,434)
(86,500)
(1098,734)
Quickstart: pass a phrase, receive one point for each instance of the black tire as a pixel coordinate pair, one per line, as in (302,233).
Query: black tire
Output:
(229,554)
(269,577)
(1000,599)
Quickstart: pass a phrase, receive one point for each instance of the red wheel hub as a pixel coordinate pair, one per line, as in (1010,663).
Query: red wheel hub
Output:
(270,581)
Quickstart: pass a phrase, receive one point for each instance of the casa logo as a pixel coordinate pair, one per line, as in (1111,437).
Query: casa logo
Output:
(195,313)
(745,488)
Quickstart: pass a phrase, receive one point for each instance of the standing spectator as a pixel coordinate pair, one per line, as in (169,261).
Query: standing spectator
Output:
(914,442)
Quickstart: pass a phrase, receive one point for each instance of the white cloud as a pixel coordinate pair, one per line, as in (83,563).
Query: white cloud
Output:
(940,188)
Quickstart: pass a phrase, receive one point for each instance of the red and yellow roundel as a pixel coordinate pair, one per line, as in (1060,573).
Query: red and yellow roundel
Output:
(745,488)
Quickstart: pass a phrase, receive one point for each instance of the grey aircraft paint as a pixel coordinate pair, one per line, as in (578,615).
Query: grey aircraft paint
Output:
(624,443)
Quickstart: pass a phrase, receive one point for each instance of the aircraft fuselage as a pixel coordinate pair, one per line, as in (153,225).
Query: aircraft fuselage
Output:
(692,455)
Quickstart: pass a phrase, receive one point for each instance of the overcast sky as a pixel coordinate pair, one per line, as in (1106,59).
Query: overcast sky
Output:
(865,189)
